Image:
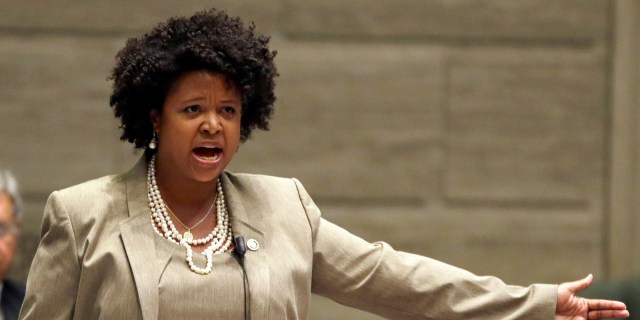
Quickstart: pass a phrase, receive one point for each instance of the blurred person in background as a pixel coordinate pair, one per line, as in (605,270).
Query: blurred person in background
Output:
(11,293)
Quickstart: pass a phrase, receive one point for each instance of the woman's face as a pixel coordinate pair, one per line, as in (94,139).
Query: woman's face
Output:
(199,127)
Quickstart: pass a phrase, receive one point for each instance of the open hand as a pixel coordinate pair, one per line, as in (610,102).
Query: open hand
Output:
(572,307)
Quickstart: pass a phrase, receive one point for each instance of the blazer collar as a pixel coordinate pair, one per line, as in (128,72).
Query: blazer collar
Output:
(140,242)
(143,246)
(240,222)
(247,220)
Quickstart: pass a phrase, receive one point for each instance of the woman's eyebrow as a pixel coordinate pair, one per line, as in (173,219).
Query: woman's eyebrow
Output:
(232,100)
(190,100)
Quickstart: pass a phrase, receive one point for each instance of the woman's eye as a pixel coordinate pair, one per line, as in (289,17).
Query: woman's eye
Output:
(192,109)
(229,110)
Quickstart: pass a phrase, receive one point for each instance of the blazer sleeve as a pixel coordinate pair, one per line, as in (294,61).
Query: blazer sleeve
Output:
(53,278)
(397,285)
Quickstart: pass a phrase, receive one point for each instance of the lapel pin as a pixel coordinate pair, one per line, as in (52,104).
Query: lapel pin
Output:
(253,244)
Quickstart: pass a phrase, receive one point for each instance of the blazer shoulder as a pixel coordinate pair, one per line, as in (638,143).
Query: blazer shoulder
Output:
(94,187)
(105,187)
(260,181)
(92,200)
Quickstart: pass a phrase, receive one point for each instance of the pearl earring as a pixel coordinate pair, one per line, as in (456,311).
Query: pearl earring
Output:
(154,141)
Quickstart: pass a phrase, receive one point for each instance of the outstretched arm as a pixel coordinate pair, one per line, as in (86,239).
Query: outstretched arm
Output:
(572,307)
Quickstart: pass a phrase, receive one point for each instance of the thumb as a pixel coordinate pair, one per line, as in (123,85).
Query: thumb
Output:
(579,285)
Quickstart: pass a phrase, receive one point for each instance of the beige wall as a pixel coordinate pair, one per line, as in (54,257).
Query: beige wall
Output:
(486,134)
(623,219)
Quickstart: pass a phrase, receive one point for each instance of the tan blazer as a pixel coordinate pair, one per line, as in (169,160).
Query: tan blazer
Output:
(96,261)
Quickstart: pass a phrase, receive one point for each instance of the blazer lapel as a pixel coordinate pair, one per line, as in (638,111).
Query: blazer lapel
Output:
(140,242)
(250,225)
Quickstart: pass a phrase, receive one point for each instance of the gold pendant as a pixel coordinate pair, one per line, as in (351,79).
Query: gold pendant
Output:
(188,236)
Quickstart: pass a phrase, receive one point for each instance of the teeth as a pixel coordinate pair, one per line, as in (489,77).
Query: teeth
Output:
(208,153)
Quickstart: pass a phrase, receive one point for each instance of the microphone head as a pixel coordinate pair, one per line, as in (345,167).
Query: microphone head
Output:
(241,245)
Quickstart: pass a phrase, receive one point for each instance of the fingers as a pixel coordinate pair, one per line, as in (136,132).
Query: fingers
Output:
(606,314)
(598,308)
(604,309)
(597,304)
(579,285)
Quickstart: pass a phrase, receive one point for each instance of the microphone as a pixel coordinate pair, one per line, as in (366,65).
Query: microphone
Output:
(241,247)
(238,253)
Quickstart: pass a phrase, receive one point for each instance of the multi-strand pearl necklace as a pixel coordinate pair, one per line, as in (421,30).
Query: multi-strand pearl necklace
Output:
(221,236)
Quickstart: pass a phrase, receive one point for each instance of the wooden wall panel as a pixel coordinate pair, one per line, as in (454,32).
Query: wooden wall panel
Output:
(622,228)
(92,18)
(54,115)
(526,126)
(476,20)
(357,121)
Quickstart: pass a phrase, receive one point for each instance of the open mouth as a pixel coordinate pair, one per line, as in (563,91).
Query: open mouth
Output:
(208,153)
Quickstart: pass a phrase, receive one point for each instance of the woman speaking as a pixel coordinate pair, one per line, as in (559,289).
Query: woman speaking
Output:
(178,237)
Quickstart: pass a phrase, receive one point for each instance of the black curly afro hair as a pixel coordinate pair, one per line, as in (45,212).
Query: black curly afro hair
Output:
(210,40)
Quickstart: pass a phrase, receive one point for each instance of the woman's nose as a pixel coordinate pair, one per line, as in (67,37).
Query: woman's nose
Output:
(211,123)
